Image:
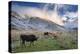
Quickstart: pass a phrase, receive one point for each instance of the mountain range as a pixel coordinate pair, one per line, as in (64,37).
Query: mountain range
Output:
(33,23)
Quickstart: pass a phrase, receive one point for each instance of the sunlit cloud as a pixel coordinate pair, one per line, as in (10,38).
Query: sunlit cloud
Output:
(57,13)
(36,12)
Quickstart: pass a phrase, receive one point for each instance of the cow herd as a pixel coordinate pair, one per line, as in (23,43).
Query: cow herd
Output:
(31,37)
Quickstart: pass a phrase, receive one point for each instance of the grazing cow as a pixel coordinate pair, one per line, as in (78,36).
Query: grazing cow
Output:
(46,33)
(54,34)
(28,38)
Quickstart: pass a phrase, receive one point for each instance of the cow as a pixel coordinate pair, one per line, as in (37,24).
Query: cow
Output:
(53,34)
(28,38)
(46,33)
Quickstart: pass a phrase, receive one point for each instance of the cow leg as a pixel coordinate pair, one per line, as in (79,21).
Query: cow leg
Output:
(23,43)
(31,43)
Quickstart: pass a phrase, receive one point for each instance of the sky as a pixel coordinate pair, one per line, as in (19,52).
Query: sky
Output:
(50,11)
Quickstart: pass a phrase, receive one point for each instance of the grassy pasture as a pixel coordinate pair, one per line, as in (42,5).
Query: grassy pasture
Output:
(67,40)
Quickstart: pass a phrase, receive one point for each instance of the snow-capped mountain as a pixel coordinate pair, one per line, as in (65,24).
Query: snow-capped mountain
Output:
(33,23)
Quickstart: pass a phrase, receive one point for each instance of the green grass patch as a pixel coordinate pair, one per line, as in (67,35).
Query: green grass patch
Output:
(67,40)
(40,45)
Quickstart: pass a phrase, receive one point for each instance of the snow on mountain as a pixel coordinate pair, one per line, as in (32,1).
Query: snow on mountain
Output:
(34,23)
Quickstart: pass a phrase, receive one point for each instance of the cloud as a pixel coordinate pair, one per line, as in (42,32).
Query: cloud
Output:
(36,12)
(63,12)
(72,20)
(72,14)
(63,8)
(69,14)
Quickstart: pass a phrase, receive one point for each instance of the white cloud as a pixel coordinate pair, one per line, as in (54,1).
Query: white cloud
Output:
(72,14)
(36,12)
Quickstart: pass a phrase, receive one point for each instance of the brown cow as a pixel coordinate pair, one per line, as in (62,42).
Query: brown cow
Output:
(54,34)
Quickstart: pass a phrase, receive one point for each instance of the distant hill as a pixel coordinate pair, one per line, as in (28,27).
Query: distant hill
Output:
(33,23)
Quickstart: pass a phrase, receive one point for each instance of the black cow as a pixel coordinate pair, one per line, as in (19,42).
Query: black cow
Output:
(28,38)
(46,33)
